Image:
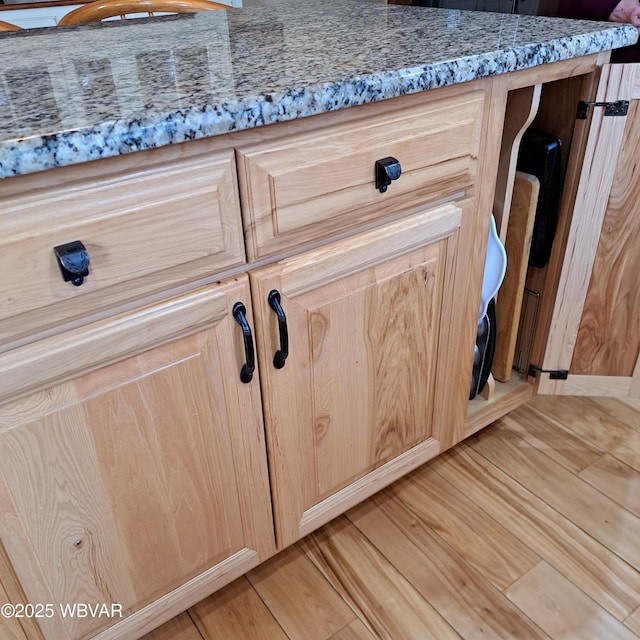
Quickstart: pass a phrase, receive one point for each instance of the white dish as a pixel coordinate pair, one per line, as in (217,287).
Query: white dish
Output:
(495,267)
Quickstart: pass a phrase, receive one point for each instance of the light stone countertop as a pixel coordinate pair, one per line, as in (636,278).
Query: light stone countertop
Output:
(72,94)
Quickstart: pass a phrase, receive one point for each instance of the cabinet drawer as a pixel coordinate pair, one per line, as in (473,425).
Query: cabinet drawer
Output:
(144,231)
(319,183)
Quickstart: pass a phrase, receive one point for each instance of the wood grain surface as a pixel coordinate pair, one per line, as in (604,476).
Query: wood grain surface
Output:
(364,317)
(522,105)
(235,613)
(105,484)
(10,628)
(516,533)
(596,177)
(615,479)
(608,341)
(191,206)
(561,609)
(384,598)
(297,594)
(319,182)
(597,514)
(443,578)
(517,245)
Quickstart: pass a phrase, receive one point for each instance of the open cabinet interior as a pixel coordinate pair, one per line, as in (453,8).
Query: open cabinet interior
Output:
(526,298)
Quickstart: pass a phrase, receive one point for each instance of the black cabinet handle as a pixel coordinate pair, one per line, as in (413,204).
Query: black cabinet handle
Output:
(281,354)
(387,169)
(239,313)
(73,260)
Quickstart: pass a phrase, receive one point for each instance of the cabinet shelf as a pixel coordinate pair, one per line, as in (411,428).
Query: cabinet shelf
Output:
(508,395)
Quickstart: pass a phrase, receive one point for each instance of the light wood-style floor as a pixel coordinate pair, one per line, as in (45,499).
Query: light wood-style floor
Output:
(529,529)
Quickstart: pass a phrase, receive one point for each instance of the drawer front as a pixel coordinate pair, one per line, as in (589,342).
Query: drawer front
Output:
(144,231)
(322,182)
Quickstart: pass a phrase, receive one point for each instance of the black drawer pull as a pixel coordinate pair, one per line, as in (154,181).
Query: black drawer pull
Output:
(73,260)
(387,169)
(281,354)
(239,313)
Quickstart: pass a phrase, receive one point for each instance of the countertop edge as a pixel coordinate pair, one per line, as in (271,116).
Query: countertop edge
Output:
(110,139)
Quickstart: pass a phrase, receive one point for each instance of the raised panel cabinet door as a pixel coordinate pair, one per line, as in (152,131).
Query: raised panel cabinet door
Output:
(595,325)
(142,484)
(352,408)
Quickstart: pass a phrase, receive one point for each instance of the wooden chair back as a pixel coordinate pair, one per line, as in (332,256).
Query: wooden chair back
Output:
(100,9)
(7,26)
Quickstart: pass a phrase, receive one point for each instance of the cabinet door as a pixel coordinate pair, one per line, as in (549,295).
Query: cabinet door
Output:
(142,483)
(595,324)
(353,407)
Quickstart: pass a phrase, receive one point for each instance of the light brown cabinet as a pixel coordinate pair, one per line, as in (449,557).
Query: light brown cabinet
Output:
(381,324)
(134,459)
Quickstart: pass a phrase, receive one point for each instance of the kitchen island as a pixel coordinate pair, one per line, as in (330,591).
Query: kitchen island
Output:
(242,255)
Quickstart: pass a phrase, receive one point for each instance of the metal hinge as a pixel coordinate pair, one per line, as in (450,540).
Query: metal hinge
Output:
(558,374)
(619,108)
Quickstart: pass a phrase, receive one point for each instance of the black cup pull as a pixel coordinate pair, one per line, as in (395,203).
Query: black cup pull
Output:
(281,354)
(240,314)
(73,260)
(387,169)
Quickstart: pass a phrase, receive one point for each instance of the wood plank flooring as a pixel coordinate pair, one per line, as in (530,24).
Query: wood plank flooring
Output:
(529,529)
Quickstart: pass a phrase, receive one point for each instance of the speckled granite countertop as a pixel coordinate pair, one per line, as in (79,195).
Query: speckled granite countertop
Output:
(73,94)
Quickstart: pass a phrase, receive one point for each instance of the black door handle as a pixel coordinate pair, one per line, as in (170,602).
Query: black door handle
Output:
(239,313)
(281,354)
